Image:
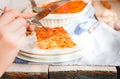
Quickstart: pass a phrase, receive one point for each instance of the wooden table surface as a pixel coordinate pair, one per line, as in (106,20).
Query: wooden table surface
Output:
(33,71)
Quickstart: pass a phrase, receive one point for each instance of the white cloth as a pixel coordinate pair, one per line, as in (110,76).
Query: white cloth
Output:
(104,48)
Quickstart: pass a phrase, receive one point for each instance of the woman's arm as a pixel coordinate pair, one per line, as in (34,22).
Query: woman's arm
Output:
(12,34)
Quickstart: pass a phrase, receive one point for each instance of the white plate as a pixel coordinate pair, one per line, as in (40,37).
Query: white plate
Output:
(31,47)
(47,57)
(53,59)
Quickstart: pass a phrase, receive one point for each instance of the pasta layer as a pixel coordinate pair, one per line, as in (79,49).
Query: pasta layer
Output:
(53,38)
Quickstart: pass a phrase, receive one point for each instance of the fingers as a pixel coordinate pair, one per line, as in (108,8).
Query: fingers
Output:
(31,28)
(6,9)
(26,16)
(15,39)
(16,24)
(15,32)
(117,25)
(9,16)
(20,35)
(18,28)
(21,31)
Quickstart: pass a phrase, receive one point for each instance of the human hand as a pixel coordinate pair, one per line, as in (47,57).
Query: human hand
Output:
(12,34)
(117,25)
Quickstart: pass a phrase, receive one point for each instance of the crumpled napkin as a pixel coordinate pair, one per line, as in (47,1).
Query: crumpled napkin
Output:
(104,48)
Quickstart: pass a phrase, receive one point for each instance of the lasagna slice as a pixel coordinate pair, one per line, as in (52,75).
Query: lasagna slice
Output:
(53,38)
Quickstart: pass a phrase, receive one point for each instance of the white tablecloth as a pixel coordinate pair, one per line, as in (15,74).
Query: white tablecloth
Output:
(104,48)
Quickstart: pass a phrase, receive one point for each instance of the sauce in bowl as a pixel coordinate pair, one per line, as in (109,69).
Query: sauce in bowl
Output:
(70,7)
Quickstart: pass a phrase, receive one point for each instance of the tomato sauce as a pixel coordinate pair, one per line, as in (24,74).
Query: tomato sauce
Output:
(70,7)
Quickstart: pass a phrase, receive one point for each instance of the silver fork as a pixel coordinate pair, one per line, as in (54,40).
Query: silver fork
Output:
(37,10)
(34,6)
(34,21)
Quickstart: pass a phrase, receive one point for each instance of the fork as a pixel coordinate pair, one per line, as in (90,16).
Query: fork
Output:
(34,6)
(34,21)
(37,10)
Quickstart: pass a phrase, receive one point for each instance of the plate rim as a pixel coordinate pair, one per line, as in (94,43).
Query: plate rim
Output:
(37,60)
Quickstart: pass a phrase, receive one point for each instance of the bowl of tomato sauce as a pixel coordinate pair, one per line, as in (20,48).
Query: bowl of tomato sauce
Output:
(66,14)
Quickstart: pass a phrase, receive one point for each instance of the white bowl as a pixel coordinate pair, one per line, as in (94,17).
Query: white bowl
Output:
(53,20)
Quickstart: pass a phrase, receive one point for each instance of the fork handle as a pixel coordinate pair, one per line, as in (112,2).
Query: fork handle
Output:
(33,3)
